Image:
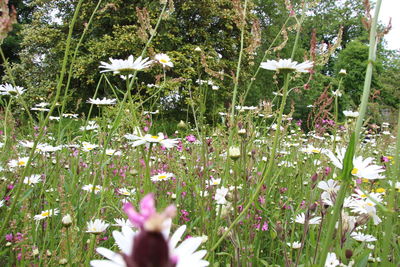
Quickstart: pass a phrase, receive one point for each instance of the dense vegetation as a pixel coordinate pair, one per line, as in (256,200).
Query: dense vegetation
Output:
(176,133)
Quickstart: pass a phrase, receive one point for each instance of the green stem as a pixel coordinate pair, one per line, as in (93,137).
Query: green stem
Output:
(332,222)
(71,69)
(268,170)
(252,79)
(236,81)
(69,248)
(392,204)
(336,114)
(19,97)
(5,120)
(91,249)
(121,109)
(41,132)
(368,75)
(296,40)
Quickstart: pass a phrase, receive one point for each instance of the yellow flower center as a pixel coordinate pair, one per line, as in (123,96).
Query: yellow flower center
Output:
(380,190)
(154,136)
(370,204)
(161,177)
(21,163)
(354,171)
(363,196)
(315,151)
(45,214)
(163,61)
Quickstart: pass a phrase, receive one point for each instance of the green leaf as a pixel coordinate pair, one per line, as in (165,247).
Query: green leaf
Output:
(348,159)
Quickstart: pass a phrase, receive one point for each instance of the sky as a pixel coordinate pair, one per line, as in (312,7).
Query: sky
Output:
(391,8)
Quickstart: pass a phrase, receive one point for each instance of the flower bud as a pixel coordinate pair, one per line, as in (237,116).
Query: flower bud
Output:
(349,253)
(362,219)
(66,220)
(181,125)
(234,152)
(63,261)
(242,132)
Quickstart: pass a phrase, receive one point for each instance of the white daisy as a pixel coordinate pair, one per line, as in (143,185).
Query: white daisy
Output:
(364,206)
(220,195)
(70,115)
(294,245)
(371,197)
(28,144)
(148,139)
(123,223)
(8,89)
(337,93)
(311,150)
(214,181)
(362,168)
(103,101)
(45,148)
(90,188)
(113,152)
(120,66)
(2,203)
(164,60)
(96,227)
(162,177)
(46,213)
(351,114)
(33,179)
(39,109)
(286,65)
(330,186)
(88,146)
(362,237)
(301,218)
(126,192)
(20,162)
(331,260)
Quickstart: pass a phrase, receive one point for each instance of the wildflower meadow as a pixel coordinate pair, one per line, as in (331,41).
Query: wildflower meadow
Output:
(218,133)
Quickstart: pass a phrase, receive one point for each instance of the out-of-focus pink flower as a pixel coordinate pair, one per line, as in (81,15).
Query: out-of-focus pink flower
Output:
(9,237)
(191,138)
(147,210)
